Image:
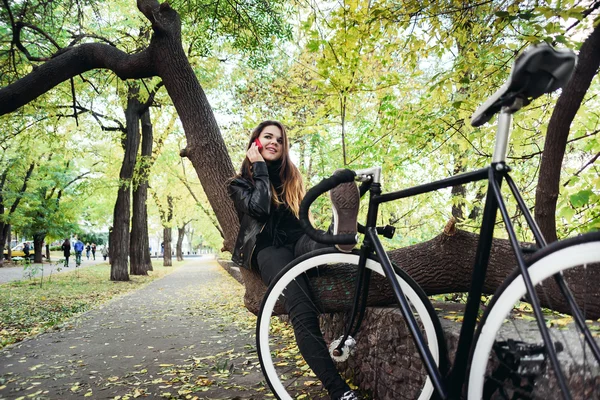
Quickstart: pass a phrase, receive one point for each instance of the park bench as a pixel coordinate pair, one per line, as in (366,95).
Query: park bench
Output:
(18,260)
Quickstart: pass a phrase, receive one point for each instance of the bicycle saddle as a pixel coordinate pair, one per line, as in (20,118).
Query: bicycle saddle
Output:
(540,69)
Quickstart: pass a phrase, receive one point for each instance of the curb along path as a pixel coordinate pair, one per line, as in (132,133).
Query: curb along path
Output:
(187,335)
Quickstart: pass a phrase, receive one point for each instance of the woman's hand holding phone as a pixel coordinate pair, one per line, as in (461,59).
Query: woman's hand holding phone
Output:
(253,152)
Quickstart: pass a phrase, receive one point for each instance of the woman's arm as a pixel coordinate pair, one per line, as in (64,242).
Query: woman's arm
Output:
(254,200)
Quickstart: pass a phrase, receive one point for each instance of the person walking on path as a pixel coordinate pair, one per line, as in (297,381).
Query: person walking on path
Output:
(26,249)
(267,194)
(66,248)
(104,252)
(88,248)
(78,247)
(94,250)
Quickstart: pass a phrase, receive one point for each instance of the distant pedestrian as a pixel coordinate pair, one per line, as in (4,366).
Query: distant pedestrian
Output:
(78,247)
(26,249)
(88,248)
(66,248)
(94,250)
(104,252)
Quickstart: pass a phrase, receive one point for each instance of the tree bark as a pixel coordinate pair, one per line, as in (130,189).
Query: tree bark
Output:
(121,216)
(167,238)
(555,144)
(140,244)
(441,265)
(180,236)
(38,241)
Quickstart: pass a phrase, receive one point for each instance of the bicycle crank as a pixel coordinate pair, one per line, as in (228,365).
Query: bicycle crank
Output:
(341,354)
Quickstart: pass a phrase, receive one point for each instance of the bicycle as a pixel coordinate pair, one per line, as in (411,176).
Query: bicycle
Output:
(493,359)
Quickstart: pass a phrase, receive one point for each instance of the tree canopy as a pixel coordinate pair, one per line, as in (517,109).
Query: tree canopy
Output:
(358,84)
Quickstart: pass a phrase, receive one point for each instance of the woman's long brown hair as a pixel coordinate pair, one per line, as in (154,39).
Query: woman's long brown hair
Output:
(293,187)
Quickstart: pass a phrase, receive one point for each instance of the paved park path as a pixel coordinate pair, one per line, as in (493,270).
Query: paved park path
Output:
(186,335)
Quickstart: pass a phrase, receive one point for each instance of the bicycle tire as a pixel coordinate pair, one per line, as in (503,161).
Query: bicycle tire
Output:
(509,355)
(302,381)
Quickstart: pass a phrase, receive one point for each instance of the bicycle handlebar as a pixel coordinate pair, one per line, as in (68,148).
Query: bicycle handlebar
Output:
(342,176)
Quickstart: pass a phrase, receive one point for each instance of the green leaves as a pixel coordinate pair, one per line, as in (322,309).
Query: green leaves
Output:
(581,198)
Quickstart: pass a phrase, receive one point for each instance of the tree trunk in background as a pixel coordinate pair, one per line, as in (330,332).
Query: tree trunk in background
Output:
(38,241)
(119,246)
(555,144)
(9,241)
(4,235)
(140,244)
(167,218)
(167,259)
(5,226)
(180,236)
(147,143)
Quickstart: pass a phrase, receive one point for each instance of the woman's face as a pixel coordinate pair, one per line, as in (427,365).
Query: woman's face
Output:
(271,139)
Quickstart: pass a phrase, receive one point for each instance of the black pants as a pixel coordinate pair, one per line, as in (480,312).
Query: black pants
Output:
(302,311)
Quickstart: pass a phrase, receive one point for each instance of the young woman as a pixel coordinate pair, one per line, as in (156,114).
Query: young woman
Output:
(267,194)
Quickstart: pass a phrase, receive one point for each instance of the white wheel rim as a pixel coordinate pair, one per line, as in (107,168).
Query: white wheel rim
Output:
(305,265)
(547,266)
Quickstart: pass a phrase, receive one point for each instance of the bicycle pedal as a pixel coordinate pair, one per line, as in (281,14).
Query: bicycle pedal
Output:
(343,353)
(524,358)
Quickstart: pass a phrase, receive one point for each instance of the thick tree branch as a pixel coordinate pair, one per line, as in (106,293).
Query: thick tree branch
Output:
(69,63)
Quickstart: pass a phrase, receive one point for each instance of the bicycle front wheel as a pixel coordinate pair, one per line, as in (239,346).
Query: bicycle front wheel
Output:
(382,362)
(509,360)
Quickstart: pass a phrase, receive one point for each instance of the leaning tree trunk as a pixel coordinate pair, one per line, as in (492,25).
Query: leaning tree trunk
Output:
(167,259)
(140,244)
(199,123)
(555,144)
(120,234)
(441,265)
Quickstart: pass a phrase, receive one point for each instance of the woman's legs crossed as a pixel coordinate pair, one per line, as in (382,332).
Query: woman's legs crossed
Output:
(304,317)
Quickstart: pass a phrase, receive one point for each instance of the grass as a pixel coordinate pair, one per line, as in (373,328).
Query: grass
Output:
(28,308)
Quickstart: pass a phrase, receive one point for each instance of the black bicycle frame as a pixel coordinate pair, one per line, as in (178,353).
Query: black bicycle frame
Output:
(452,386)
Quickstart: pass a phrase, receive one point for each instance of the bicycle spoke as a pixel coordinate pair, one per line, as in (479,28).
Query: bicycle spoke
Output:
(518,358)
(383,348)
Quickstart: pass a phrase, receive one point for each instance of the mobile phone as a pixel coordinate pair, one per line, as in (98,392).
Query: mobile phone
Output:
(258,144)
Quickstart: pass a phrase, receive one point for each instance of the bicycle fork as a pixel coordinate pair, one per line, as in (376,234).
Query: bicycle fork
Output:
(361,292)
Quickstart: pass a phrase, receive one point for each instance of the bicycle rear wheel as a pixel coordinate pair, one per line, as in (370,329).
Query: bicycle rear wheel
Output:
(509,359)
(382,361)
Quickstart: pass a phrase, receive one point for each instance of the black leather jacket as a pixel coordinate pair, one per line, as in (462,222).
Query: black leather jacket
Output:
(253,204)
